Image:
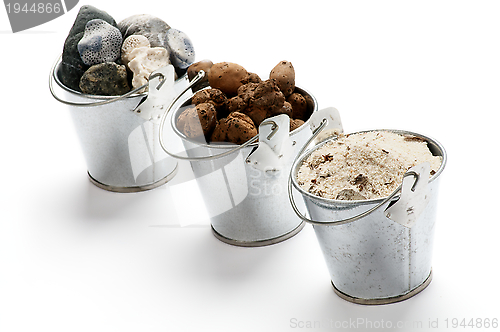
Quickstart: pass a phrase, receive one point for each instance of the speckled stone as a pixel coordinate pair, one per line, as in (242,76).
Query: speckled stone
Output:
(105,79)
(101,42)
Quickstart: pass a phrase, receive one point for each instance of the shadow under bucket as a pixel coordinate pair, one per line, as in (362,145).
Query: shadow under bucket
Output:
(248,205)
(120,147)
(371,258)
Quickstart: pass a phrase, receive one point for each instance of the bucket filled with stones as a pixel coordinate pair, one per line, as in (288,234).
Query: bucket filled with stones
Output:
(116,80)
(241,134)
(371,197)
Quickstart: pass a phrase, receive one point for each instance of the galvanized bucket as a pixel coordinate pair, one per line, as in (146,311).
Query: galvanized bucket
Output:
(244,186)
(371,258)
(119,136)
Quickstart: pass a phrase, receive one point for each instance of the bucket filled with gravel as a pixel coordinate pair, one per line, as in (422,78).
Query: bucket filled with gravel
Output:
(116,79)
(241,133)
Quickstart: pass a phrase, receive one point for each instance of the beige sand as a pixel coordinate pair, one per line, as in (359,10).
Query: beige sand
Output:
(364,165)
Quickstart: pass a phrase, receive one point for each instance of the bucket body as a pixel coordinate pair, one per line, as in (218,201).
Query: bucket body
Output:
(121,149)
(247,206)
(374,260)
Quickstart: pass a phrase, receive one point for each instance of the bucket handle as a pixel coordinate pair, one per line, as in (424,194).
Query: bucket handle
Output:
(316,132)
(103,102)
(198,77)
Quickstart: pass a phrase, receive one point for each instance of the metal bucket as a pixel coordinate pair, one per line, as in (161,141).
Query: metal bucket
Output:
(371,258)
(243,187)
(121,145)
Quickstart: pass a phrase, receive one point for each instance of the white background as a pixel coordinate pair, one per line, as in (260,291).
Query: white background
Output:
(76,258)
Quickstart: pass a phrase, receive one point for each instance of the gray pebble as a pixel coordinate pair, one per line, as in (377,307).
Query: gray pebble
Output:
(149,26)
(181,48)
(105,79)
(88,13)
(72,66)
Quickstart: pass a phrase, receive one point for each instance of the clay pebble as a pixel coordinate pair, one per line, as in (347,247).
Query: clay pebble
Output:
(240,128)
(284,75)
(257,114)
(220,132)
(194,69)
(267,95)
(295,123)
(227,77)
(213,96)
(299,105)
(198,121)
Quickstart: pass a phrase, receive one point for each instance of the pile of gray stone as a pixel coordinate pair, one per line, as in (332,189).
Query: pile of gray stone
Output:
(102,57)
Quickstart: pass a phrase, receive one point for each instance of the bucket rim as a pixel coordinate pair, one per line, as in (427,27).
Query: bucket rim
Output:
(346,204)
(228,145)
(55,76)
